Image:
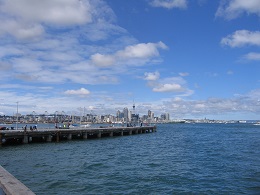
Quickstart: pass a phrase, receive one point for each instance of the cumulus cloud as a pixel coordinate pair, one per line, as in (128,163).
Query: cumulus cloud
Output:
(234,8)
(242,38)
(81,91)
(171,84)
(169,4)
(180,108)
(21,30)
(57,12)
(56,52)
(141,50)
(172,87)
(151,76)
(27,19)
(137,54)
(102,60)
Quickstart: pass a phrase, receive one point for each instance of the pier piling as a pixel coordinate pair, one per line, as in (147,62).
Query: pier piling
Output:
(25,139)
(49,138)
(85,135)
(69,137)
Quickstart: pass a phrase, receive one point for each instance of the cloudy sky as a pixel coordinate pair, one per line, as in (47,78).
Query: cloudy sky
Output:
(189,58)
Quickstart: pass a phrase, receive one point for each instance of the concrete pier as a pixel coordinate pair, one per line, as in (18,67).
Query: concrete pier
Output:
(49,135)
(12,186)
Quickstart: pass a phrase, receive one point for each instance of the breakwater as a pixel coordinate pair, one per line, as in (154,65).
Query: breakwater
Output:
(50,135)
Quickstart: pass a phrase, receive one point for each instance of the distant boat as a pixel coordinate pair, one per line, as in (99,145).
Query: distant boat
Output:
(257,123)
(79,126)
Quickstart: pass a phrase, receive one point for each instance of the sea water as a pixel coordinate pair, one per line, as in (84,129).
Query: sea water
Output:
(177,159)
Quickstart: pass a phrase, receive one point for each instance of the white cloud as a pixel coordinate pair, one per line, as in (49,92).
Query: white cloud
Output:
(151,76)
(184,74)
(246,103)
(21,30)
(24,65)
(234,8)
(30,20)
(252,56)
(178,107)
(170,84)
(131,55)
(57,12)
(41,48)
(81,91)
(169,4)
(168,88)
(141,50)
(34,20)
(242,38)
(102,60)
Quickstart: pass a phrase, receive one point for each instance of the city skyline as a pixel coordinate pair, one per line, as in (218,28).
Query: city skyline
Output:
(191,59)
(126,116)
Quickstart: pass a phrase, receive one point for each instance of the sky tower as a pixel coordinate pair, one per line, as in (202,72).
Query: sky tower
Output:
(133,107)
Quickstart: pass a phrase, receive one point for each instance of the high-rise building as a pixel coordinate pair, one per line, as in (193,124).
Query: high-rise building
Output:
(149,113)
(167,116)
(125,111)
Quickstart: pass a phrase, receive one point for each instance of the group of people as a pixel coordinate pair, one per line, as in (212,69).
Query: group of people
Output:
(64,126)
(34,127)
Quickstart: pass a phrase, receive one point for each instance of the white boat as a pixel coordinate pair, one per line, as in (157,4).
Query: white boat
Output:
(79,126)
(257,123)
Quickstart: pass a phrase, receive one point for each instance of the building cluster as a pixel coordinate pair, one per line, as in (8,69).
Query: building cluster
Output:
(125,116)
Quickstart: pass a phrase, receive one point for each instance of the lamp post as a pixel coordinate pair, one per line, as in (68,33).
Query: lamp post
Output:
(34,117)
(46,117)
(56,113)
(17,116)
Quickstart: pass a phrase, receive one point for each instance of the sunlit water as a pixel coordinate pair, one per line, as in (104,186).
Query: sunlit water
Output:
(177,159)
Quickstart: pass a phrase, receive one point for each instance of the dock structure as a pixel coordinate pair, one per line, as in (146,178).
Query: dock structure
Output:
(9,185)
(50,135)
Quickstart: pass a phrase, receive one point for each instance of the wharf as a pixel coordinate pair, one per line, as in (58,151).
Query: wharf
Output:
(50,135)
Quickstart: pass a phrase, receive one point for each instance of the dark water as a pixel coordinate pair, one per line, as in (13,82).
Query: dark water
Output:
(177,159)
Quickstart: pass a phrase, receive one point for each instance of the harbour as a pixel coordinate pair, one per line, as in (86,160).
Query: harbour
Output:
(177,159)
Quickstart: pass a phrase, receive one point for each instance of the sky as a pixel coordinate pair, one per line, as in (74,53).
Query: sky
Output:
(188,58)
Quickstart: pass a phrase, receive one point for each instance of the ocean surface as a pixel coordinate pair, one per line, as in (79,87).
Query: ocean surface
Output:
(177,159)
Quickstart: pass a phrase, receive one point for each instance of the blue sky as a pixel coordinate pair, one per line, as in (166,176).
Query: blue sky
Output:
(189,58)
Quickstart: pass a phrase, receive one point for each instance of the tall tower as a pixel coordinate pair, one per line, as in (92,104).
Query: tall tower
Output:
(133,107)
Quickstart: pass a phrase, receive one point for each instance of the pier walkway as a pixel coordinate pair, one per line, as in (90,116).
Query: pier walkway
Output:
(49,135)
(9,185)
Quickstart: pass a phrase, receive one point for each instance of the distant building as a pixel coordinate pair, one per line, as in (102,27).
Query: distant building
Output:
(125,111)
(167,118)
